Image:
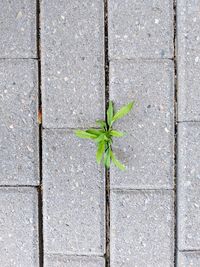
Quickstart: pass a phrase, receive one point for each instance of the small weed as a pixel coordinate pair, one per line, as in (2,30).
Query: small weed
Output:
(104,135)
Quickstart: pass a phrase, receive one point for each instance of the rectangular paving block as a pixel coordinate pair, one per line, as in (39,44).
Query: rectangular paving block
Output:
(142,228)
(18,29)
(188,60)
(73,195)
(188,259)
(73,261)
(140,29)
(72,38)
(19,227)
(147,148)
(188,186)
(18,123)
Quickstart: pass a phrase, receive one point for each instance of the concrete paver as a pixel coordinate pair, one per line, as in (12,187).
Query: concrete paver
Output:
(142,228)
(73,261)
(188,186)
(188,60)
(18,123)
(140,29)
(72,63)
(147,150)
(18,29)
(19,227)
(188,259)
(73,195)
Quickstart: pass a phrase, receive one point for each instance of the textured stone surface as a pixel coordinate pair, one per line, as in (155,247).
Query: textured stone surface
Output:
(142,228)
(188,259)
(73,261)
(188,59)
(73,63)
(140,29)
(73,195)
(189,186)
(18,122)
(18,227)
(18,29)
(147,150)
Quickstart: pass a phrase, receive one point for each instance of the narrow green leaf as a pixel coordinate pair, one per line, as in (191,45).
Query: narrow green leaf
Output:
(84,134)
(116,133)
(101,137)
(123,111)
(110,113)
(107,158)
(94,131)
(117,162)
(102,124)
(100,151)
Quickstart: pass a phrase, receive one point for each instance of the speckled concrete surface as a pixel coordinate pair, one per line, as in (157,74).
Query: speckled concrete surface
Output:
(19,227)
(147,149)
(18,123)
(188,32)
(75,261)
(73,63)
(52,193)
(188,259)
(189,186)
(142,226)
(140,29)
(74,220)
(18,29)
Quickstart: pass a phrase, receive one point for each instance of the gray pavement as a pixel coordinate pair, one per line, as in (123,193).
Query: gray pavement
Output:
(54,199)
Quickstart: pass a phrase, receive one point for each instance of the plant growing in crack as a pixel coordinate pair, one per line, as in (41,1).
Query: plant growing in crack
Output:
(103,137)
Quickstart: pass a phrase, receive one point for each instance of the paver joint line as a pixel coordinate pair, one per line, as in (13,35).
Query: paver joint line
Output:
(175,131)
(107,172)
(40,191)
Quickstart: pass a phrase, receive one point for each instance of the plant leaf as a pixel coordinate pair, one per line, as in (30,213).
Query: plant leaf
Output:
(84,134)
(116,133)
(102,124)
(100,151)
(123,111)
(107,158)
(117,162)
(101,138)
(94,131)
(110,113)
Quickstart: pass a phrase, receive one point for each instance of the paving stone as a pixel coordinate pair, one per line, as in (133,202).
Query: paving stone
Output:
(188,186)
(18,29)
(18,227)
(140,29)
(18,123)
(142,228)
(147,149)
(73,195)
(72,63)
(188,59)
(188,259)
(73,261)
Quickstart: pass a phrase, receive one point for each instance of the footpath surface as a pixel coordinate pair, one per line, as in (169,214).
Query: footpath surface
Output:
(64,58)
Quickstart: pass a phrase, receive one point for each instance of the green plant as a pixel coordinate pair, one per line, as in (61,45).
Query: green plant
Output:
(103,136)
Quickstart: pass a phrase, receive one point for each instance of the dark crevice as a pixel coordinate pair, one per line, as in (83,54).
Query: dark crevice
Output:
(121,189)
(189,121)
(20,186)
(175,132)
(190,251)
(142,59)
(107,172)
(40,202)
(18,58)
